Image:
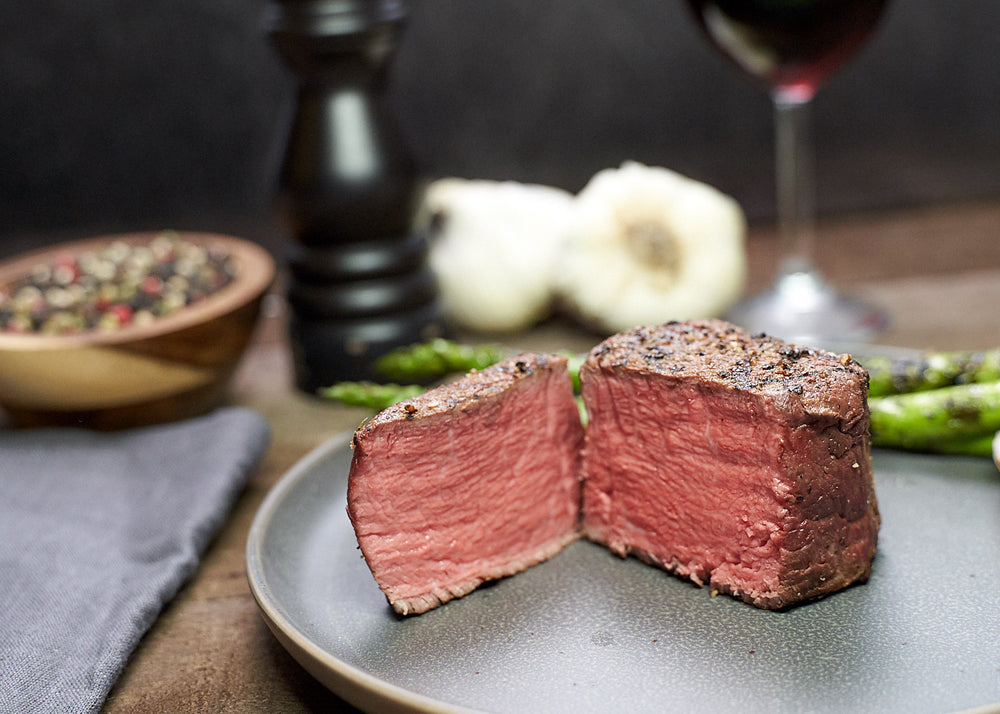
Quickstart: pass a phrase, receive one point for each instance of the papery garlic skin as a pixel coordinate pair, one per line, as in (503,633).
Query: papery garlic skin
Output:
(649,245)
(493,248)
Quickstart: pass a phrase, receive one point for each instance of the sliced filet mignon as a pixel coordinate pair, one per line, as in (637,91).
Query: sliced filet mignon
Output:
(737,461)
(471,481)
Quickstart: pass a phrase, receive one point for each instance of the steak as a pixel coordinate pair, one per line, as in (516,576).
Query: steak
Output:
(471,481)
(736,461)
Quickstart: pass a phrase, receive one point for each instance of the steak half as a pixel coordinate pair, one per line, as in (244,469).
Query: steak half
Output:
(468,482)
(737,461)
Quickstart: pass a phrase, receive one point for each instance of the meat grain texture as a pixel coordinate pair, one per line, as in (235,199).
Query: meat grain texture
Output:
(471,481)
(737,461)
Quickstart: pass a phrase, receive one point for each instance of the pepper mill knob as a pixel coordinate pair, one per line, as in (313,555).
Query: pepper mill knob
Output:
(359,281)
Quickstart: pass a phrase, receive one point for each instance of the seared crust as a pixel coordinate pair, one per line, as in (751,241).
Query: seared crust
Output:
(466,392)
(801,380)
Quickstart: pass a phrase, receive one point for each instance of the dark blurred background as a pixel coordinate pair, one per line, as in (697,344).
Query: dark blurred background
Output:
(117,115)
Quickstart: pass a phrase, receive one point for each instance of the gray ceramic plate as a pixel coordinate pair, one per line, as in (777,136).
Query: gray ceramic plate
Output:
(589,632)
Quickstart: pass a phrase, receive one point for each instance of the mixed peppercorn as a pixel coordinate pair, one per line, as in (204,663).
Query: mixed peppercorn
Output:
(117,285)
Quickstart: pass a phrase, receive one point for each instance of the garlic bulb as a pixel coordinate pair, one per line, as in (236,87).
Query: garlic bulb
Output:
(649,245)
(493,247)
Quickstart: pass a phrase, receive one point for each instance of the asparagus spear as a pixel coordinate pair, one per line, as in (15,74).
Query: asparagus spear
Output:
(973,446)
(369,394)
(426,361)
(574,360)
(956,419)
(931,371)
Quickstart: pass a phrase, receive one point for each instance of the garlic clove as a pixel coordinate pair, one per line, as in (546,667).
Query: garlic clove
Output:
(649,245)
(493,247)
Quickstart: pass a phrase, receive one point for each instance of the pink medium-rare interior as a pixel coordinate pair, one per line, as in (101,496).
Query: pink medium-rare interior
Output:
(450,500)
(687,478)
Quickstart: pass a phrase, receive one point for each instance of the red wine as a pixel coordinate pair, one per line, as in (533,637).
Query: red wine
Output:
(792,45)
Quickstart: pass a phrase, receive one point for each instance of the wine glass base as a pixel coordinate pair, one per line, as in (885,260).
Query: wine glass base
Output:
(802,308)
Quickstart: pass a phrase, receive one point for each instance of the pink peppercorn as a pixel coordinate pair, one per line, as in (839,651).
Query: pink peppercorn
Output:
(121,311)
(152,285)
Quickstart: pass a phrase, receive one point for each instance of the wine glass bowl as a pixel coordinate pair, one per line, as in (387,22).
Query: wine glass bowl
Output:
(791,47)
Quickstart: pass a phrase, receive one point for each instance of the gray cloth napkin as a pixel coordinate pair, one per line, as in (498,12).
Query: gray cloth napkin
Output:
(97,532)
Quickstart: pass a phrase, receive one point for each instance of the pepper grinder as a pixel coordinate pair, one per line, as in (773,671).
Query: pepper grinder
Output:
(359,284)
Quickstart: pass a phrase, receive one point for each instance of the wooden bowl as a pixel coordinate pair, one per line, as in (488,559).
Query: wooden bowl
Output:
(176,366)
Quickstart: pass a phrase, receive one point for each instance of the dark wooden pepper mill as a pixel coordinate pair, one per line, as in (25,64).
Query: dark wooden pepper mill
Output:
(359,282)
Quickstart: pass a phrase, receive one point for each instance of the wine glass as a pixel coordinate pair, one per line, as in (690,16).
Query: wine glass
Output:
(792,46)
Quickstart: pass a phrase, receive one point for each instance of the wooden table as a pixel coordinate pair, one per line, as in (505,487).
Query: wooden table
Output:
(937,271)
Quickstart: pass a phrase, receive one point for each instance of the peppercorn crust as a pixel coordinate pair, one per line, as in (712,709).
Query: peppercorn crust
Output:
(466,392)
(803,380)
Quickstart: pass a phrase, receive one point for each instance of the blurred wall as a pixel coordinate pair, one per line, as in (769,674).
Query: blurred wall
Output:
(117,114)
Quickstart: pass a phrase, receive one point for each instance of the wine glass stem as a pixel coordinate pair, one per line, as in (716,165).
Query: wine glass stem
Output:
(795,184)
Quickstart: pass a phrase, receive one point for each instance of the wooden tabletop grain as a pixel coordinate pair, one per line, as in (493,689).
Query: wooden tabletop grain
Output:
(935,269)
